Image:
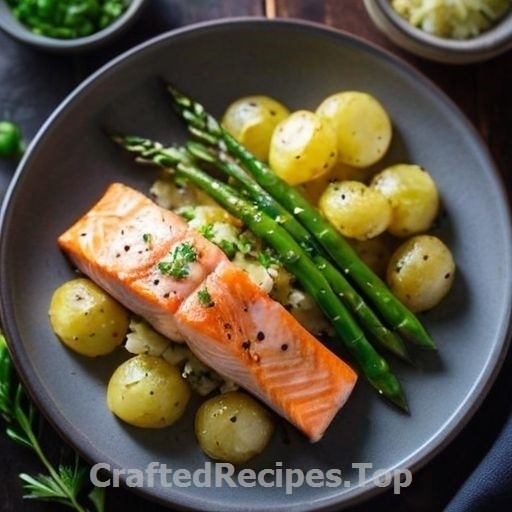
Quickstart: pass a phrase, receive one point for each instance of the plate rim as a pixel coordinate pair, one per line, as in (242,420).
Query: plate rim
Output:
(453,425)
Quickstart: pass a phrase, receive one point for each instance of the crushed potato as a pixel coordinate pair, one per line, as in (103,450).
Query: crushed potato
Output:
(453,19)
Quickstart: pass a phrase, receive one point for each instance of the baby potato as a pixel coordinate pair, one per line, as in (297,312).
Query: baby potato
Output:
(421,272)
(355,210)
(361,124)
(413,196)
(87,319)
(302,148)
(313,189)
(252,119)
(375,252)
(146,391)
(233,427)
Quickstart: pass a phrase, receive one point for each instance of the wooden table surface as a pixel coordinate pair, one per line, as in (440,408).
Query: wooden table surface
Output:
(32,84)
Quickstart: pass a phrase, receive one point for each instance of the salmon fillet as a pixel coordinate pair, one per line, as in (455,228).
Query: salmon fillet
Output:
(240,332)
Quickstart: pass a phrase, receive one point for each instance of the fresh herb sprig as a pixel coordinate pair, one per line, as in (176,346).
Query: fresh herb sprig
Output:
(64,484)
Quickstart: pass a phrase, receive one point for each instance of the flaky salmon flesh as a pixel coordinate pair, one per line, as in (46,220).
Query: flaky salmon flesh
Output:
(126,243)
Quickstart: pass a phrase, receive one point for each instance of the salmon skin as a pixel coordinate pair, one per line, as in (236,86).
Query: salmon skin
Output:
(127,245)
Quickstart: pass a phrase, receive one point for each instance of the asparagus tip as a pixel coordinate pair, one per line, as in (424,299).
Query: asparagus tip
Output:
(400,401)
(414,331)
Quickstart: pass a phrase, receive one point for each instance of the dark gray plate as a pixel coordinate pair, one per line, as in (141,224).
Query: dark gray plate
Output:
(71,162)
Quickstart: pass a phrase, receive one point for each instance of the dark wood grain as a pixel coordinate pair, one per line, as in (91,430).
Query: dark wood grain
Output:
(32,84)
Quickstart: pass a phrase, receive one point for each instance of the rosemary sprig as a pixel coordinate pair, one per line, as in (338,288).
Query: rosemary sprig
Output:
(64,484)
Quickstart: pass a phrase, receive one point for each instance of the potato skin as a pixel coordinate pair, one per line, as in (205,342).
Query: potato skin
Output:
(147,391)
(421,272)
(313,189)
(233,427)
(375,252)
(86,318)
(302,148)
(413,195)
(362,126)
(356,210)
(252,119)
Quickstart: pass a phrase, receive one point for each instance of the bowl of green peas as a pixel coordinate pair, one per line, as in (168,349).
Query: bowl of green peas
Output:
(67,25)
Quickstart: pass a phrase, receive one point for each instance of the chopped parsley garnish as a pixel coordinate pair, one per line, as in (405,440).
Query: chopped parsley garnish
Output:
(178,265)
(265,258)
(244,244)
(147,237)
(228,247)
(205,298)
(207,231)
(187,213)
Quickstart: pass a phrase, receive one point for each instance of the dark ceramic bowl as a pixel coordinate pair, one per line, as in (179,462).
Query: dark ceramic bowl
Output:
(10,25)
(71,162)
(488,44)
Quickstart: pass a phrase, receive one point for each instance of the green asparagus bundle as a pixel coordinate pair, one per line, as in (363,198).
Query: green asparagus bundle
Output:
(352,300)
(293,257)
(205,127)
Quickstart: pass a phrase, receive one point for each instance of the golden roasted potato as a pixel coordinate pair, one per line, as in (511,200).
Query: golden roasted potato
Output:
(302,148)
(375,252)
(413,196)
(421,272)
(313,189)
(252,119)
(233,427)
(147,391)
(361,124)
(355,210)
(86,318)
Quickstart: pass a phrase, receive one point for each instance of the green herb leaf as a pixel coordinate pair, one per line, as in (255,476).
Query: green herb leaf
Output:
(228,247)
(17,437)
(42,487)
(178,265)
(207,231)
(97,498)
(245,245)
(188,213)
(73,477)
(205,298)
(266,259)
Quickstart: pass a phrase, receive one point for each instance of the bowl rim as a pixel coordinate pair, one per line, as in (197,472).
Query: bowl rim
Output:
(486,45)
(17,30)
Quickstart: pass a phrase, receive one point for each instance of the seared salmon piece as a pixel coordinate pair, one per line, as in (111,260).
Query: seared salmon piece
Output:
(252,339)
(120,242)
(132,248)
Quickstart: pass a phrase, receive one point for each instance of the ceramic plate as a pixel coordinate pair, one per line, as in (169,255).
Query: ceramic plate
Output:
(71,162)
(17,30)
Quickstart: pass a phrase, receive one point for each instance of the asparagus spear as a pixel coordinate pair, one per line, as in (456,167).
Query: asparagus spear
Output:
(352,300)
(374,367)
(206,127)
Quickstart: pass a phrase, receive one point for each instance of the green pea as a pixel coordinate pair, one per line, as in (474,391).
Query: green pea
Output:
(86,29)
(11,140)
(113,9)
(46,9)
